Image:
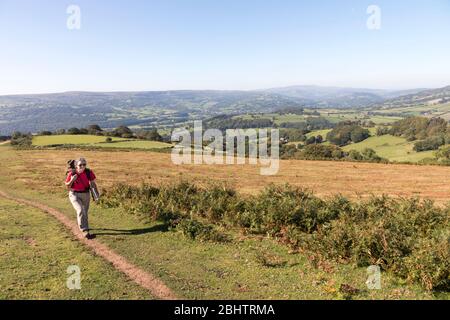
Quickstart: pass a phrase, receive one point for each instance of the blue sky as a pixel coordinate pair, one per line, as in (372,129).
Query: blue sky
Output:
(221,44)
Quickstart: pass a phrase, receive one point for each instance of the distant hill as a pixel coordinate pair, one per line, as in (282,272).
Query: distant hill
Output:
(33,113)
(78,109)
(429,97)
(335,97)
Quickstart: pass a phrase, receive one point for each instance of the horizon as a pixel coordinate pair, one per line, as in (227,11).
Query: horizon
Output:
(222,90)
(233,46)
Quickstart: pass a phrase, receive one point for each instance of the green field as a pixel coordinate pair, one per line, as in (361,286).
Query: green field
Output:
(316,133)
(391,148)
(332,115)
(36,252)
(42,141)
(97,141)
(135,144)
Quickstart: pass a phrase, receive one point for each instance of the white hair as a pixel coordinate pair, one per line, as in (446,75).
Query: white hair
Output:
(80,160)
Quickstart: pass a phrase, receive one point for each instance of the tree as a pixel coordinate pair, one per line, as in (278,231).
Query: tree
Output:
(94,129)
(73,131)
(432,143)
(320,151)
(382,130)
(319,139)
(355,155)
(123,132)
(347,132)
(419,128)
(359,134)
(310,140)
(153,135)
(443,153)
(21,140)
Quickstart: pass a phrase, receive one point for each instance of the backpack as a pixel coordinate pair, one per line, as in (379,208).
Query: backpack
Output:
(88,173)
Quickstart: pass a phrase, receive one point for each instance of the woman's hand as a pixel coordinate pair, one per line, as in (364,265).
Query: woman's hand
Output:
(74,177)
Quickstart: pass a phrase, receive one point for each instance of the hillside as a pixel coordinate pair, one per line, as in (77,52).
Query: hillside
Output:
(64,110)
(33,113)
(428,98)
(324,97)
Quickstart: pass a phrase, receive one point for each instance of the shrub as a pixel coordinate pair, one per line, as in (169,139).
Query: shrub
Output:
(196,230)
(21,140)
(407,237)
(320,151)
(443,153)
(429,263)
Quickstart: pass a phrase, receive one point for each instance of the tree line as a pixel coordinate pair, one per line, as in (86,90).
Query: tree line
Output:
(119,132)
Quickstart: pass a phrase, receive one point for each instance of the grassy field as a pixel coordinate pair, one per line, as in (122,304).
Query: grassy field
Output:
(193,269)
(391,148)
(332,115)
(36,252)
(97,141)
(42,141)
(323,177)
(136,144)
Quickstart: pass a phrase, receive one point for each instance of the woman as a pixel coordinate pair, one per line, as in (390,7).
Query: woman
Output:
(78,182)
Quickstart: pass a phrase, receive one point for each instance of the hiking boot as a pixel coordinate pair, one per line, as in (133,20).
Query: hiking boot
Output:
(88,236)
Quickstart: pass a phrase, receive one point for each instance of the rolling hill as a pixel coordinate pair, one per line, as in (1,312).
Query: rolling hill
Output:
(33,113)
(78,109)
(335,97)
(428,98)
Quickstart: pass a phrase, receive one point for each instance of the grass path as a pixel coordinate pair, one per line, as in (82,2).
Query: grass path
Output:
(141,277)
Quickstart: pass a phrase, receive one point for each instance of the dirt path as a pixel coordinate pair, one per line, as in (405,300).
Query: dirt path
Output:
(141,277)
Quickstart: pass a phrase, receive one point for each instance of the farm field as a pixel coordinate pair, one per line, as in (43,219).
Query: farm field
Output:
(323,177)
(194,269)
(332,115)
(42,141)
(97,141)
(391,148)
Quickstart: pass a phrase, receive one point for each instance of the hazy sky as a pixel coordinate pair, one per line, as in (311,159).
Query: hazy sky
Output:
(221,44)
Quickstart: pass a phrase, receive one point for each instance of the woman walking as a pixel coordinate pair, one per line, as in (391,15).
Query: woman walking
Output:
(78,182)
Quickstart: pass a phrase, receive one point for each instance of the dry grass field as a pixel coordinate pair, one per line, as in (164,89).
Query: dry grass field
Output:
(324,178)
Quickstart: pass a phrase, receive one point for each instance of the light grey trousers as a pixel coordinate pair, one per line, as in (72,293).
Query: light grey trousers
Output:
(80,202)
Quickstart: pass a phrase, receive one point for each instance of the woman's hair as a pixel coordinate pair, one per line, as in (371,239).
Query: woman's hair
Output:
(80,160)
